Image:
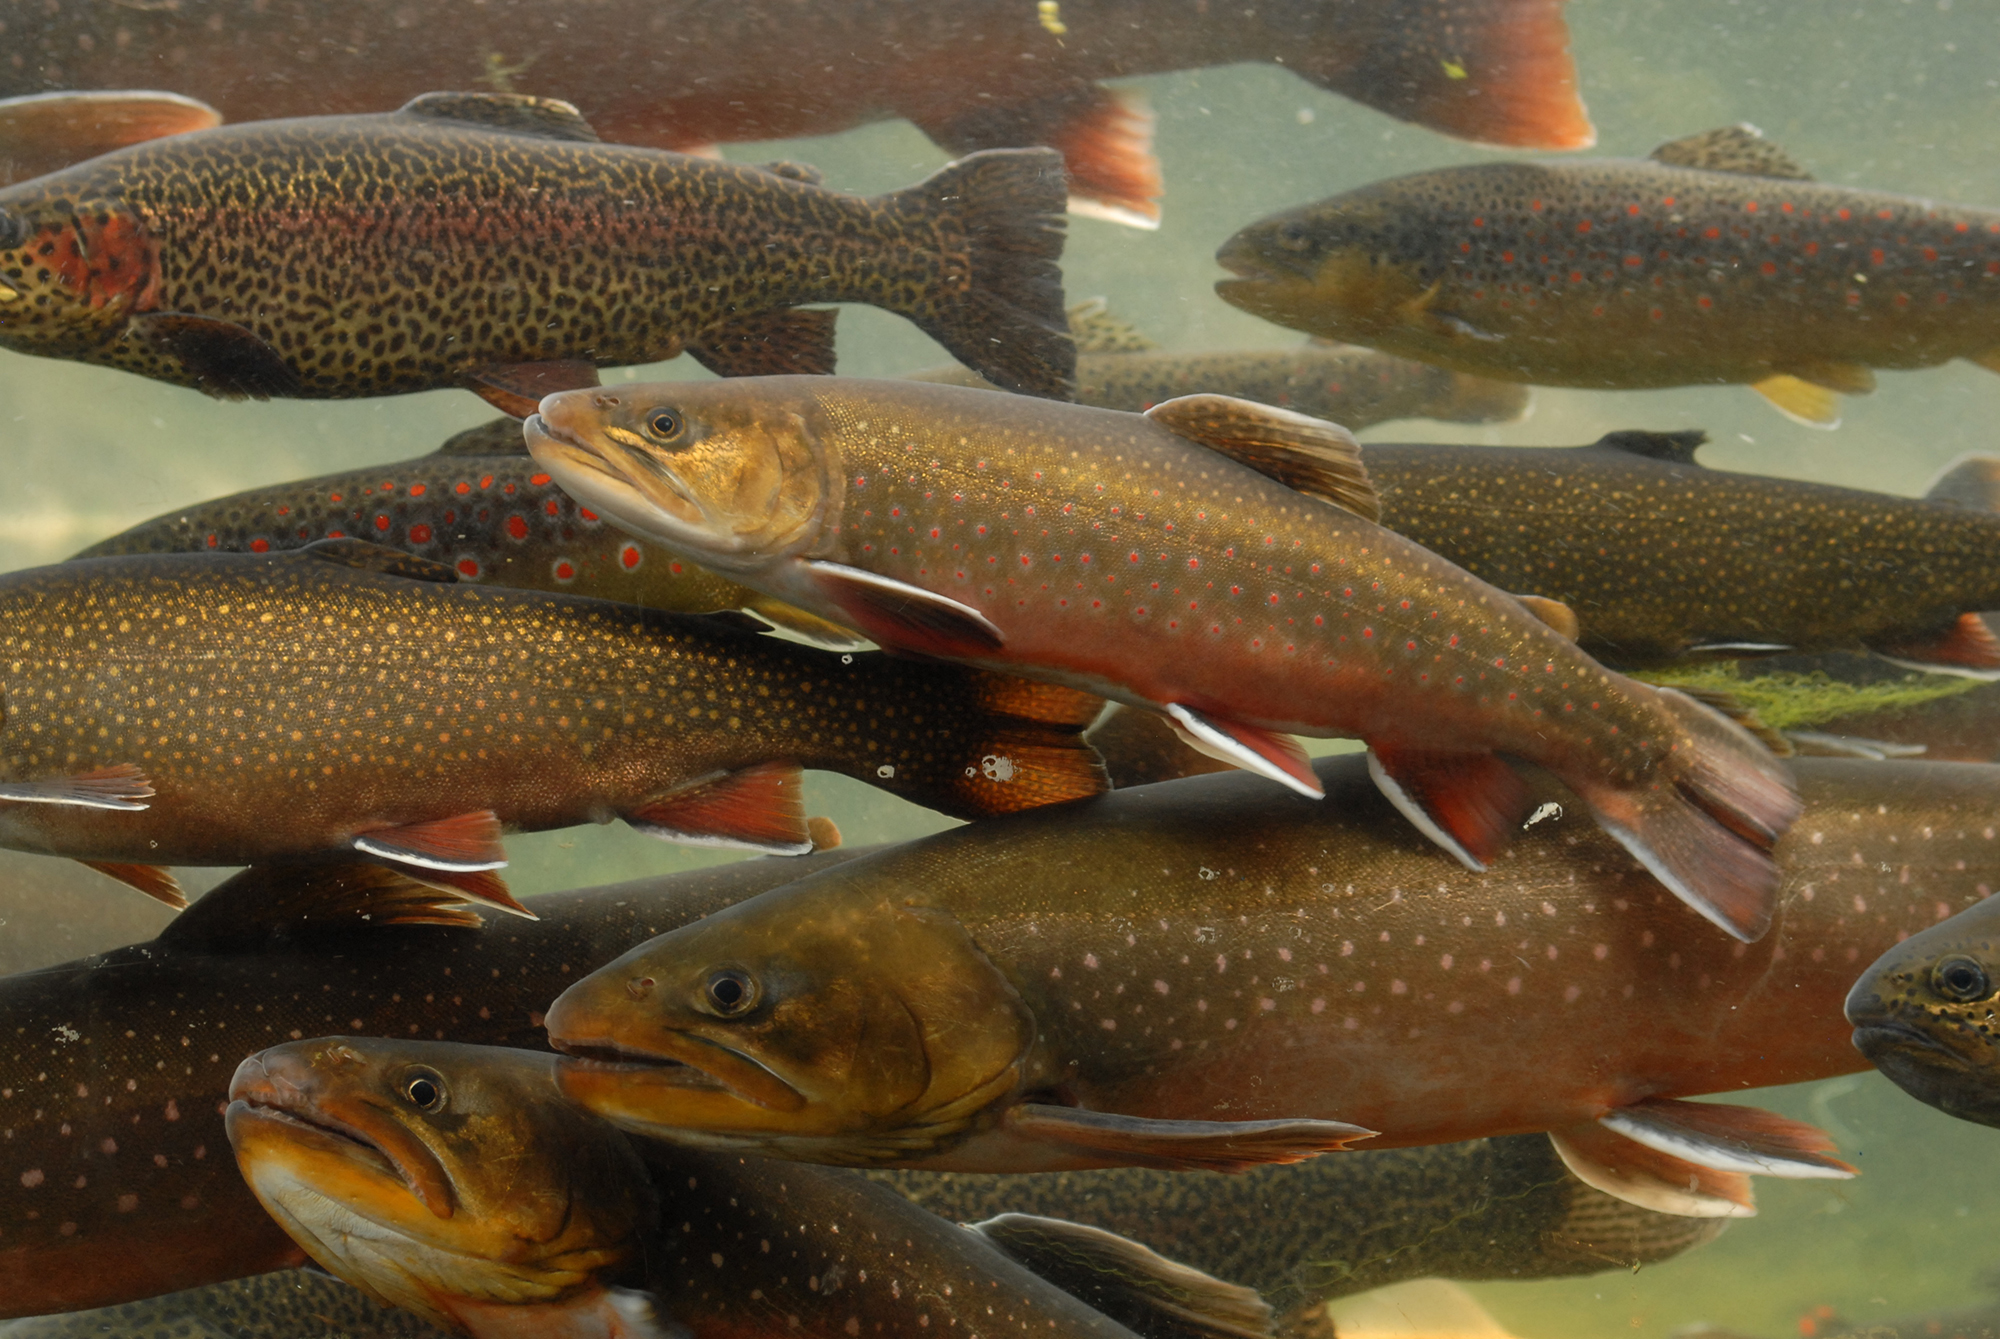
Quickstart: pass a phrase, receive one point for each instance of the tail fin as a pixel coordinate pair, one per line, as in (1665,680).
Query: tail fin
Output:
(1705,819)
(1011,744)
(1105,136)
(999,308)
(1496,71)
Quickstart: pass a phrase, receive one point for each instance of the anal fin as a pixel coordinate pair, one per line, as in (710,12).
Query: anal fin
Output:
(1800,401)
(1468,803)
(1730,1138)
(484,886)
(899,616)
(1179,1145)
(517,388)
(786,342)
(154,881)
(121,787)
(1966,646)
(1254,749)
(1606,1161)
(458,854)
(758,808)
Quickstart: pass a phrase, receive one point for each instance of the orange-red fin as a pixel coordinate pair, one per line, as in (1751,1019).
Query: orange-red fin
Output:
(1179,1145)
(1610,1162)
(898,616)
(152,880)
(791,341)
(1730,1138)
(517,388)
(463,843)
(758,808)
(243,913)
(1967,646)
(1104,135)
(120,786)
(476,885)
(1495,71)
(45,132)
(1468,803)
(225,360)
(1254,749)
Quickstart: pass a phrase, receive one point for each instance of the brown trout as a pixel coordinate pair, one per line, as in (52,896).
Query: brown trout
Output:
(1190,974)
(454,1181)
(975,74)
(1161,560)
(233,708)
(492,242)
(482,507)
(1717,260)
(1118,368)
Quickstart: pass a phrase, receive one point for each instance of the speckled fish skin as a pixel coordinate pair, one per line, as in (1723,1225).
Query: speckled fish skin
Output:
(330,257)
(1206,950)
(288,1304)
(281,704)
(118,1181)
(1658,556)
(1108,552)
(1629,273)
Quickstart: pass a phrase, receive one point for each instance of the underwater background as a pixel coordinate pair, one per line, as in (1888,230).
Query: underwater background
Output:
(1893,95)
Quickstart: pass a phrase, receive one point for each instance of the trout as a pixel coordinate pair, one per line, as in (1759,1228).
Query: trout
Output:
(454,1181)
(975,74)
(492,242)
(1718,260)
(290,1304)
(44,132)
(1161,560)
(482,507)
(229,709)
(1191,975)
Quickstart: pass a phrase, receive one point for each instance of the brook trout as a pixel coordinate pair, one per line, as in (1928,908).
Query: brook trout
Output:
(976,74)
(1717,260)
(1190,975)
(1161,560)
(491,242)
(1924,1013)
(291,1304)
(479,505)
(229,709)
(454,1181)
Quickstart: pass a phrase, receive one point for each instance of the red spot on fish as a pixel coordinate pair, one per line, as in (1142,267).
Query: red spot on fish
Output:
(213,541)
(1958,227)
(1875,255)
(517,527)
(1930,253)
(1704,302)
(1885,213)
(1633,261)
(1193,563)
(1750,207)
(1479,223)
(335,497)
(1632,209)
(260,545)
(1713,233)
(1134,556)
(1812,248)
(420,534)
(1843,215)
(1507,256)
(382,524)
(539,480)
(631,556)
(1658,315)
(418,490)
(552,507)
(1668,202)
(468,567)
(485,482)
(1576,276)
(1535,205)
(564,570)
(1769,267)
(461,488)
(1583,226)
(587,515)
(284,511)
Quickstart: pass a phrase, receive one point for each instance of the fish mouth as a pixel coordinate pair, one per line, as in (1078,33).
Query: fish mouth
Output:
(608,1057)
(321,1132)
(674,1065)
(605,472)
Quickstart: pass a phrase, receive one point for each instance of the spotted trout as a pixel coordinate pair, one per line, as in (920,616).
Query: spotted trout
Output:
(1716,260)
(492,242)
(349,699)
(976,74)
(1190,975)
(482,507)
(454,1181)
(1163,561)
(286,1304)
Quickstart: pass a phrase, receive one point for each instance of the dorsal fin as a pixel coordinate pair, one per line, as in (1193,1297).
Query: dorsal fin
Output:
(1971,482)
(359,553)
(500,437)
(265,902)
(1315,457)
(1678,447)
(791,171)
(1096,330)
(550,118)
(1740,148)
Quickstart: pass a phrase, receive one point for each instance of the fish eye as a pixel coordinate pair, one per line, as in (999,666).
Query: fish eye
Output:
(730,991)
(424,1089)
(1292,235)
(1961,979)
(663,425)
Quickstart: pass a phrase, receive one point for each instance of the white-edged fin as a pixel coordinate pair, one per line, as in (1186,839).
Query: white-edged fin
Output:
(1956,671)
(467,843)
(120,787)
(1738,649)
(402,855)
(1261,751)
(1650,1179)
(1106,1139)
(1392,791)
(756,808)
(1084,207)
(897,615)
(1671,881)
(1730,1138)
(1820,744)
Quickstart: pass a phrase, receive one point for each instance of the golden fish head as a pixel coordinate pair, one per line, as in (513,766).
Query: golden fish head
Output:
(835,1027)
(1924,1015)
(429,1173)
(732,472)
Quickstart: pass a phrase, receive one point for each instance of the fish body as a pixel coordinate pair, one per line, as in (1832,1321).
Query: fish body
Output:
(685,74)
(286,1304)
(1131,556)
(493,242)
(1204,952)
(1715,261)
(232,708)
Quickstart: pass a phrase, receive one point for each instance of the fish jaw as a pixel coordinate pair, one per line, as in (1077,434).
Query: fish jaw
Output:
(1936,1047)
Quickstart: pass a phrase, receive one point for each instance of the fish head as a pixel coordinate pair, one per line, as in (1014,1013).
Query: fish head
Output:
(71,273)
(1333,269)
(434,1175)
(1927,1014)
(837,1027)
(733,472)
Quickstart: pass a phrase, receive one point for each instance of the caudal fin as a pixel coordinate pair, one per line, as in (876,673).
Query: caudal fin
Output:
(1704,819)
(1000,745)
(1496,71)
(999,303)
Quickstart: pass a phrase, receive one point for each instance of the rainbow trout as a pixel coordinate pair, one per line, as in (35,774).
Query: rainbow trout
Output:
(1161,560)
(976,74)
(454,1181)
(491,242)
(1195,974)
(342,699)
(1717,260)
(482,507)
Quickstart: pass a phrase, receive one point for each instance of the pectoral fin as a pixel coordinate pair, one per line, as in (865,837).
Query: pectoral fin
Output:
(120,786)
(458,853)
(1800,400)
(1265,752)
(760,808)
(518,388)
(1468,803)
(1693,1158)
(823,633)
(226,360)
(1552,612)
(902,617)
(155,882)
(243,914)
(790,341)
(1179,1145)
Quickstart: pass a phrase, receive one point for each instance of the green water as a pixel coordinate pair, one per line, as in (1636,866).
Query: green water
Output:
(1901,96)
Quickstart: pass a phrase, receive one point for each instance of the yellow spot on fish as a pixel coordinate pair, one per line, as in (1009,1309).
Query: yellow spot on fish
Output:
(1050,13)
(1452,69)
